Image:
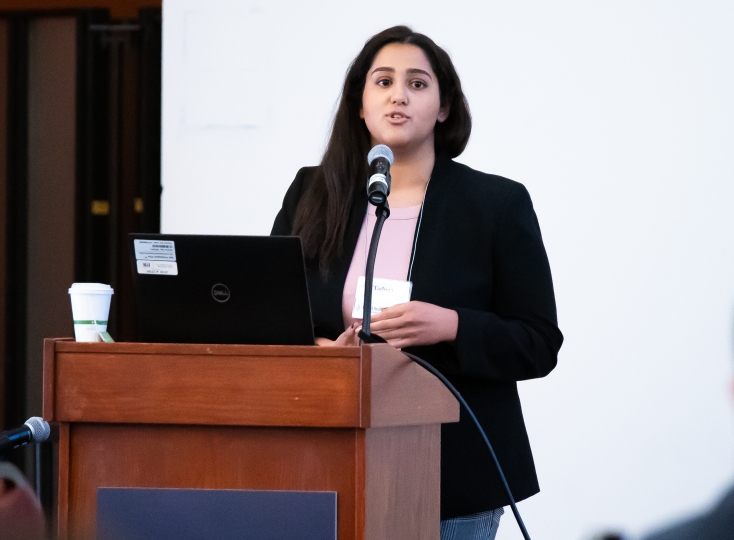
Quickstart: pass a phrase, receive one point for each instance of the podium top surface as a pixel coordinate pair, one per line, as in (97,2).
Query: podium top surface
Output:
(240,385)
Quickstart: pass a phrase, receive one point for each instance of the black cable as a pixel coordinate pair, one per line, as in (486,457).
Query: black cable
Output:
(428,367)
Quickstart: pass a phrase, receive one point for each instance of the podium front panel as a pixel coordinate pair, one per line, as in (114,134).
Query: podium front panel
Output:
(363,422)
(199,457)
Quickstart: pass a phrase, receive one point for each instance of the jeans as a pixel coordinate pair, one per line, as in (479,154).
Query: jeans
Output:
(482,526)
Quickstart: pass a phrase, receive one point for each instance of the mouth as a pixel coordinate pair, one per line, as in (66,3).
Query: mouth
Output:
(397,116)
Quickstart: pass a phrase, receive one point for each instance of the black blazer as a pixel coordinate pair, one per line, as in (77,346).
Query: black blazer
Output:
(480,253)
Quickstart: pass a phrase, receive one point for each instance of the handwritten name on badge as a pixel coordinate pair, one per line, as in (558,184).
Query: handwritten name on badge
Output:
(385,293)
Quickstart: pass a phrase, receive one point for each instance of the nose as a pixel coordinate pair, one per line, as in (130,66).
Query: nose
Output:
(399,95)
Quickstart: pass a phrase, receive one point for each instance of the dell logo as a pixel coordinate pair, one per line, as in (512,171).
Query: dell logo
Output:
(220,292)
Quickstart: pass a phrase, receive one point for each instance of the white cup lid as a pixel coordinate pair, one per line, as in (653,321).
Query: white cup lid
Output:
(90,288)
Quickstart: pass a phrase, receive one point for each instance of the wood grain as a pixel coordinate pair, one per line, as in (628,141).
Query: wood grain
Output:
(49,378)
(244,385)
(221,390)
(61,514)
(359,486)
(250,417)
(402,486)
(206,457)
(403,393)
(184,349)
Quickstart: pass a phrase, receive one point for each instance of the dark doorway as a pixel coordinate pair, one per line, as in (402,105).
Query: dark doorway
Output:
(79,170)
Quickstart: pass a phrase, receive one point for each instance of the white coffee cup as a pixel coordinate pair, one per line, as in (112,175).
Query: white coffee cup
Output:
(90,307)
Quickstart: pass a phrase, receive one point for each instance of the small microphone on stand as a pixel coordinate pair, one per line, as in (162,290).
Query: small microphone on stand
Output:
(35,430)
(378,186)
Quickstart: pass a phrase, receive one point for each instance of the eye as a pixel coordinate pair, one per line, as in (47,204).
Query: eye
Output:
(384,82)
(418,84)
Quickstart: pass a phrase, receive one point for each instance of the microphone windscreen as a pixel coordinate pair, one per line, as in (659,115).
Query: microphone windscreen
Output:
(39,428)
(380,151)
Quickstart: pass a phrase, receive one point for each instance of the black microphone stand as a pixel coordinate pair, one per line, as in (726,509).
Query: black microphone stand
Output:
(382,212)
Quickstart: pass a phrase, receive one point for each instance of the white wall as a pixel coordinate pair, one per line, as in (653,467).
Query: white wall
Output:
(618,116)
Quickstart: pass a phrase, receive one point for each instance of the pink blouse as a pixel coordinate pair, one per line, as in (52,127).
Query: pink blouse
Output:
(393,252)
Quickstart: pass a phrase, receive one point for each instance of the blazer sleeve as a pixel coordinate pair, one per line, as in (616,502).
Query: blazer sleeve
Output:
(283,225)
(518,338)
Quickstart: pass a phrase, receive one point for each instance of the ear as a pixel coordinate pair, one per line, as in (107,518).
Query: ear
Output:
(443,113)
(361,113)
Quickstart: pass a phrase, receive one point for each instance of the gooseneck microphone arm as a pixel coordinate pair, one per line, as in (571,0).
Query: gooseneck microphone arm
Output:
(379,160)
(382,211)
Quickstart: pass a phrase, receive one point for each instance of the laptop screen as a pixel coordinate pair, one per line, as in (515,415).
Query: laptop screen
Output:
(221,289)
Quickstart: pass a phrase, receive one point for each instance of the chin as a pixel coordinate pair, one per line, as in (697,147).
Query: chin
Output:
(394,142)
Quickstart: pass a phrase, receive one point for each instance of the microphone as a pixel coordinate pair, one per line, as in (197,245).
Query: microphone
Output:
(35,430)
(378,186)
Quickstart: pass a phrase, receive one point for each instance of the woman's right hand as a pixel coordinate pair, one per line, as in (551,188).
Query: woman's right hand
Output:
(348,338)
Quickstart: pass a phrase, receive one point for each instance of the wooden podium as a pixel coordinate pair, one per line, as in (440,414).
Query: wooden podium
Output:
(363,422)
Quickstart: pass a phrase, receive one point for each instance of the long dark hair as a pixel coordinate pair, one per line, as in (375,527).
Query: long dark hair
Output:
(323,211)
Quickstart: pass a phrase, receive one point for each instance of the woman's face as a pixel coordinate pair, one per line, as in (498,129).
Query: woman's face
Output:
(401,102)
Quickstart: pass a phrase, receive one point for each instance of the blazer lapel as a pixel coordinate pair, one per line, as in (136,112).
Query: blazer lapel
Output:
(434,208)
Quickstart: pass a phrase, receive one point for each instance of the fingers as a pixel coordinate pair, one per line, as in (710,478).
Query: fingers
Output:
(397,337)
(356,327)
(390,313)
(388,332)
(404,325)
(394,317)
(348,337)
(386,326)
(390,324)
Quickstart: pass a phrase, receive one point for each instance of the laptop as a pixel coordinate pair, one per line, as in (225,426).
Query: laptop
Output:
(221,289)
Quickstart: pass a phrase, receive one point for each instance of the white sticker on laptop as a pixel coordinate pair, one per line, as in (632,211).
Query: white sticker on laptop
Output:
(385,293)
(155,250)
(161,268)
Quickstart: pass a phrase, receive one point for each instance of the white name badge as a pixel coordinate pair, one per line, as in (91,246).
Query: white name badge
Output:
(385,293)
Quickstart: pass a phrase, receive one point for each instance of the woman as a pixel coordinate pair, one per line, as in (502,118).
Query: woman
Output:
(482,308)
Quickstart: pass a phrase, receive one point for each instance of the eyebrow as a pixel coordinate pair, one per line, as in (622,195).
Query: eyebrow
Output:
(411,70)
